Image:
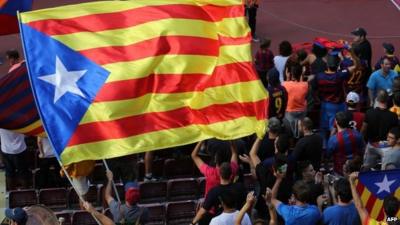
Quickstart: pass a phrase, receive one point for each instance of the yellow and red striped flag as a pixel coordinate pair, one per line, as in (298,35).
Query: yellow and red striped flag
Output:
(121,77)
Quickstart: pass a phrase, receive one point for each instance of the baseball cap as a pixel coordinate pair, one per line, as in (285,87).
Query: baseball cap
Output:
(132,193)
(359,31)
(274,124)
(352,97)
(389,47)
(17,214)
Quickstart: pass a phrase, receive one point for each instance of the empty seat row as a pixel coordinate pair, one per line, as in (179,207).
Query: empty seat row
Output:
(151,192)
(172,213)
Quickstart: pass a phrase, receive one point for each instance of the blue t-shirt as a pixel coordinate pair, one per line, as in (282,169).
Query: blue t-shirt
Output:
(340,215)
(299,215)
(378,82)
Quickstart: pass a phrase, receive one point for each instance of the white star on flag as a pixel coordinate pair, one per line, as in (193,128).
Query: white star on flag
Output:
(385,185)
(64,80)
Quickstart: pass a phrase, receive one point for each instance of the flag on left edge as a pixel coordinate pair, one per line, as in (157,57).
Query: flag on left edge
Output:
(8,14)
(18,111)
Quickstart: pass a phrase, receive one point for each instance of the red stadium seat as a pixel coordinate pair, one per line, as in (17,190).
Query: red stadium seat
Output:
(152,192)
(22,198)
(91,196)
(180,212)
(183,189)
(83,218)
(157,213)
(178,168)
(54,198)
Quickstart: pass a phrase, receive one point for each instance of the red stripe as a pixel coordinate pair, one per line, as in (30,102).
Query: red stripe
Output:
(14,108)
(133,17)
(354,149)
(19,121)
(150,122)
(35,131)
(381,215)
(162,45)
(11,93)
(9,24)
(176,83)
(370,202)
(360,187)
(234,41)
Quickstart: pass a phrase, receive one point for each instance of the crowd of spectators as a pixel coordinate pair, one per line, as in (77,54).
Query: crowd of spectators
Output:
(331,115)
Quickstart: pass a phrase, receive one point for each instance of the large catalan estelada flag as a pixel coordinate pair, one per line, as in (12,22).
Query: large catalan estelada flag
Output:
(17,108)
(8,14)
(120,77)
(374,186)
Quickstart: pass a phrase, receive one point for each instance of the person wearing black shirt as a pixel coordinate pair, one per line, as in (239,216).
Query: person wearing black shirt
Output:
(211,206)
(360,37)
(310,146)
(377,123)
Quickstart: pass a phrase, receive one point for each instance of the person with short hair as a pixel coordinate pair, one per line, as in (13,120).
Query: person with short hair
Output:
(343,212)
(13,59)
(312,178)
(17,216)
(285,50)
(301,213)
(352,103)
(391,157)
(129,212)
(264,60)
(388,49)
(309,147)
(381,80)
(346,144)
(377,123)
(360,38)
(297,98)
(210,207)
(396,104)
(278,95)
(229,213)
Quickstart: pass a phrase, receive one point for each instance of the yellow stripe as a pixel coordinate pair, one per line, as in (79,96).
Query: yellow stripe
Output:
(238,92)
(182,64)
(29,128)
(166,27)
(90,8)
(376,209)
(163,139)
(365,196)
(234,53)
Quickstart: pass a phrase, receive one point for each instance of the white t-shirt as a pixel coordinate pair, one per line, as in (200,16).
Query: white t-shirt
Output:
(280,63)
(11,142)
(229,219)
(47,149)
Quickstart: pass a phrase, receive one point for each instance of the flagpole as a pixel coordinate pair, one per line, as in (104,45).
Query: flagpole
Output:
(113,183)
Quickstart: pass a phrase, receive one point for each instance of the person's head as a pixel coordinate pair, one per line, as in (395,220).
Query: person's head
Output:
(132,193)
(225,171)
(274,125)
(396,98)
(393,137)
(386,65)
(265,43)
(12,56)
(332,62)
(352,100)
(302,55)
(343,119)
(382,97)
(391,205)
(306,125)
(319,50)
(222,155)
(301,191)
(352,165)
(282,143)
(343,190)
(388,48)
(396,84)
(359,34)
(306,170)
(285,48)
(227,199)
(273,77)
(18,216)
(296,70)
